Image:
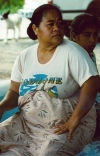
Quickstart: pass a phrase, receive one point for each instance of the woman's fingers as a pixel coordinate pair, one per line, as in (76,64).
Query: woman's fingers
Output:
(69,127)
(70,134)
(63,129)
(60,129)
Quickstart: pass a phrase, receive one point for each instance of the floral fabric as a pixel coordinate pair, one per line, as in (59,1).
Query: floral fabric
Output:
(30,131)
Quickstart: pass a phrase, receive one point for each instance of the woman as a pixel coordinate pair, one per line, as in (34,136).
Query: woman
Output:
(85,30)
(55,118)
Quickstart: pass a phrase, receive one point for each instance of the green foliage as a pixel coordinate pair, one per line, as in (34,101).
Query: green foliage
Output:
(12,5)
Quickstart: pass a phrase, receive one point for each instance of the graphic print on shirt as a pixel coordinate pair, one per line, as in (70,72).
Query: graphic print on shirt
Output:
(41,82)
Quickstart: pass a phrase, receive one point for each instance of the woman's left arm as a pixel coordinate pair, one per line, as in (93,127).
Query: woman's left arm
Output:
(87,97)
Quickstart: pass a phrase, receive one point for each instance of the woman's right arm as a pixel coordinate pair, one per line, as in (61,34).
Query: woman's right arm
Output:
(11,98)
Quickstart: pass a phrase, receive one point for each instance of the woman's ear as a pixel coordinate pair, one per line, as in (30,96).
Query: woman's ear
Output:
(73,36)
(34,28)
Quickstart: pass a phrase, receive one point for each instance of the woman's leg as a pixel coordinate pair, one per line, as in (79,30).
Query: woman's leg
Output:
(36,135)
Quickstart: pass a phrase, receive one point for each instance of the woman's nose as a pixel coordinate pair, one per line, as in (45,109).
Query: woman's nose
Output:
(56,26)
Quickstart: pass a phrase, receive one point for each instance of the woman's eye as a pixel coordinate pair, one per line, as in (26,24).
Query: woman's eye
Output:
(61,24)
(50,24)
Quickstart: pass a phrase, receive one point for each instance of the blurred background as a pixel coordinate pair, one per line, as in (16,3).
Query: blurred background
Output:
(10,47)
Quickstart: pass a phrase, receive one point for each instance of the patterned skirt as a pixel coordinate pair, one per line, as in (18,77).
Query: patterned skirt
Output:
(30,132)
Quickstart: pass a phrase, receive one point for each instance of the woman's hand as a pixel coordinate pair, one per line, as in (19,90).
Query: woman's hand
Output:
(69,127)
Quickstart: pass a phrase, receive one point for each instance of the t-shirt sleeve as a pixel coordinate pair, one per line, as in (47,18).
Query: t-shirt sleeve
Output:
(17,70)
(81,66)
(21,63)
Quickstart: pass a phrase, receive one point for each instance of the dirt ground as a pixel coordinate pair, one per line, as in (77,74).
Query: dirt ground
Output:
(9,52)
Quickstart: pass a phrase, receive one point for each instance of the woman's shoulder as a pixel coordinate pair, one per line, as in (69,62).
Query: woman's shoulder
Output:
(29,50)
(72,47)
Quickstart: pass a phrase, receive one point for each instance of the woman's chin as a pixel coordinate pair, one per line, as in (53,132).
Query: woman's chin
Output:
(58,39)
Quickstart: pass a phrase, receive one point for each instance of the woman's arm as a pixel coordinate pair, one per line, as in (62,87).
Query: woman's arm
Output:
(87,97)
(11,98)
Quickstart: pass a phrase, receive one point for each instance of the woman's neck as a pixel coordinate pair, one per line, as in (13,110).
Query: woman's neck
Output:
(44,54)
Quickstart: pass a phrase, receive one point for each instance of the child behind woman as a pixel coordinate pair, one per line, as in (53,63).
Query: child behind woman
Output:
(84,31)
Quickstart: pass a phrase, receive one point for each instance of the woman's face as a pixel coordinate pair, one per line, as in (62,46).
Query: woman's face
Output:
(51,29)
(87,39)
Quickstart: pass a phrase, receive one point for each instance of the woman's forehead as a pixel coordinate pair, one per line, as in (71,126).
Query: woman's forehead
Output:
(51,13)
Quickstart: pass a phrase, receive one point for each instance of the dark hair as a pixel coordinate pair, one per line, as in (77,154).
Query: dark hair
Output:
(84,21)
(37,18)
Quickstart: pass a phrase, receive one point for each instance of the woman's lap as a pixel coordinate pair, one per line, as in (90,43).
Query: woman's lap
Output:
(31,129)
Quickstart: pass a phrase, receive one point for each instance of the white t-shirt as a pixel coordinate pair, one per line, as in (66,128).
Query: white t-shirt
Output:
(69,67)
